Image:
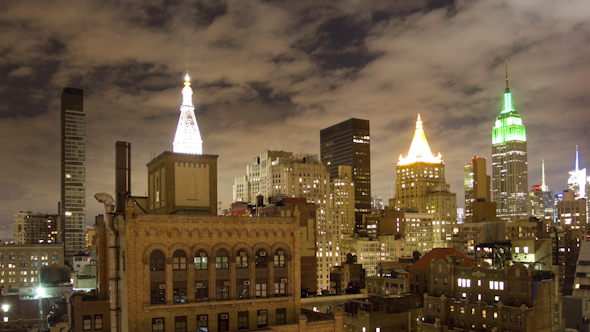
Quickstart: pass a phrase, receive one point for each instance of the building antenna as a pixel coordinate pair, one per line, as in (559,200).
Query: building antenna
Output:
(577,159)
(507,86)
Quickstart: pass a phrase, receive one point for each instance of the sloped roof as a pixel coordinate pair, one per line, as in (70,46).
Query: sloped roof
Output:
(438,254)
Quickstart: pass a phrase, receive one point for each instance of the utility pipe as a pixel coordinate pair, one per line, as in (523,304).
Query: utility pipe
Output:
(112,239)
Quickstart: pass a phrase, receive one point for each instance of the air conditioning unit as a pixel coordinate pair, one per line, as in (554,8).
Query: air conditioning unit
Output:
(226,283)
(199,284)
(247,282)
(281,253)
(159,321)
(243,253)
(283,280)
(224,316)
(262,253)
(203,254)
(203,317)
(162,286)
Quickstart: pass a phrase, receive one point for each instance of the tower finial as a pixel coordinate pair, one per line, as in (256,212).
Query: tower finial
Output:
(577,159)
(507,86)
(543,184)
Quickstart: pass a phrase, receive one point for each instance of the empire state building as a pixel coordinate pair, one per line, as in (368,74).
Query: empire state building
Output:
(509,162)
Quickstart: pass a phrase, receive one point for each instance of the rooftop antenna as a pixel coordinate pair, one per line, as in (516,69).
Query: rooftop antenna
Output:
(507,86)
(577,159)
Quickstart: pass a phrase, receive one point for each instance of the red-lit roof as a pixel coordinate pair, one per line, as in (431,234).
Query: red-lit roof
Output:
(438,254)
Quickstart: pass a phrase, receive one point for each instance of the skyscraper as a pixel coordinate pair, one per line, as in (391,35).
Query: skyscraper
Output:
(348,144)
(509,162)
(421,187)
(73,171)
(477,184)
(188,137)
(577,180)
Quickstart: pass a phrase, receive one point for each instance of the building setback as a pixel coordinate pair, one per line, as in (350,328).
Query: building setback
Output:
(73,171)
(348,144)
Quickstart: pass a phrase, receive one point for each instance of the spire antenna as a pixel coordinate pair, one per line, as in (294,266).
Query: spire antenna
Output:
(577,159)
(507,86)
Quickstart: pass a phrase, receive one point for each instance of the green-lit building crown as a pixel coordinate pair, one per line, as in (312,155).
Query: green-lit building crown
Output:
(508,125)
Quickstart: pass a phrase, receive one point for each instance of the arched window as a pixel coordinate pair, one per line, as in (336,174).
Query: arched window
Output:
(44,258)
(157,259)
(242,259)
(22,256)
(221,259)
(179,276)
(279,259)
(201,276)
(157,277)
(11,256)
(261,259)
(55,257)
(201,260)
(179,260)
(222,283)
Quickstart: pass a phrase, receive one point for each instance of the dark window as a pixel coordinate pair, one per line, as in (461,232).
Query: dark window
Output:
(282,316)
(243,289)
(202,323)
(158,324)
(180,295)
(243,320)
(201,291)
(157,261)
(222,290)
(261,259)
(223,322)
(525,288)
(262,318)
(180,324)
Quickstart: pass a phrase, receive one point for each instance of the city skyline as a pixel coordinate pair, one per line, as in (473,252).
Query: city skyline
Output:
(260,68)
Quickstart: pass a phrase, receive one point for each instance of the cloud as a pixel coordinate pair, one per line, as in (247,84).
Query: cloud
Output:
(272,74)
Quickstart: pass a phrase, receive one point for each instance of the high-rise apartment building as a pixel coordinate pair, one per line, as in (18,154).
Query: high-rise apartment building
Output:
(35,228)
(73,171)
(509,162)
(477,184)
(348,144)
(421,187)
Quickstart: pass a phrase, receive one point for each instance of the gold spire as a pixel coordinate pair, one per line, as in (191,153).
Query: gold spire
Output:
(419,149)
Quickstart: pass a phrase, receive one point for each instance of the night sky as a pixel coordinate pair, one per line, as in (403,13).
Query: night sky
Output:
(272,74)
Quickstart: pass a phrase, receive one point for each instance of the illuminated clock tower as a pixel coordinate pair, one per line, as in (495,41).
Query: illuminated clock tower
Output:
(188,137)
(509,162)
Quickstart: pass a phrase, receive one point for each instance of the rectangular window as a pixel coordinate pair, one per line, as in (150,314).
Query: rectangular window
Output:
(180,324)
(262,318)
(281,316)
(280,288)
(98,322)
(243,320)
(223,322)
(261,290)
(87,322)
(525,288)
(158,324)
(242,290)
(200,263)
(202,323)
(201,291)
(179,263)
(222,290)
(180,295)
(221,262)
(483,313)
